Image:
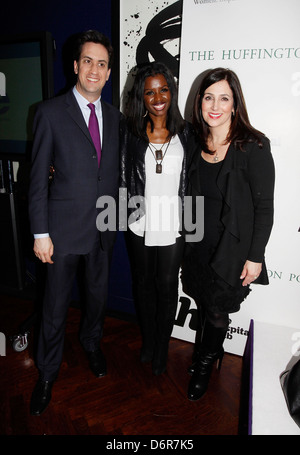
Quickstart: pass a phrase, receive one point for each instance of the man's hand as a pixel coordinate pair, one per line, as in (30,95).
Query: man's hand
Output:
(43,249)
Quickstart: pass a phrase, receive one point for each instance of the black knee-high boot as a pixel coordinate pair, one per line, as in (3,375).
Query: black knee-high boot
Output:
(211,350)
(166,312)
(146,312)
(198,338)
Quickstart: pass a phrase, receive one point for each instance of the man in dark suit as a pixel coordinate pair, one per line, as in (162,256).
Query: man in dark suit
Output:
(63,213)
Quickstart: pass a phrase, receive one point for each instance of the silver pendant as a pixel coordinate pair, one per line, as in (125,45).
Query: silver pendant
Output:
(158,168)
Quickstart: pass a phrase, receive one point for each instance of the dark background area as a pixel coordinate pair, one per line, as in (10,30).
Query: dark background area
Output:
(62,20)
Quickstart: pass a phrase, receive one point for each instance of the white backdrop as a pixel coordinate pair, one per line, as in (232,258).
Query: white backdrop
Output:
(136,18)
(260,41)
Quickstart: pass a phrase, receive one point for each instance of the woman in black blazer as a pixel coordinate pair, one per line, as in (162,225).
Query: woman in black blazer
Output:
(153,171)
(233,170)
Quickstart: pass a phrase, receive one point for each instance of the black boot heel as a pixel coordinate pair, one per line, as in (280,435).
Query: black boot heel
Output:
(199,382)
(220,360)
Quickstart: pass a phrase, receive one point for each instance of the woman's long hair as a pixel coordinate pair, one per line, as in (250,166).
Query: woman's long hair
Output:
(240,131)
(135,109)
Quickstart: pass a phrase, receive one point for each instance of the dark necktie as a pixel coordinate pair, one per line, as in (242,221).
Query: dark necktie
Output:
(94,130)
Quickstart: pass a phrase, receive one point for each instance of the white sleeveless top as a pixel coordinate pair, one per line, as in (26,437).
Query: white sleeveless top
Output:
(160,225)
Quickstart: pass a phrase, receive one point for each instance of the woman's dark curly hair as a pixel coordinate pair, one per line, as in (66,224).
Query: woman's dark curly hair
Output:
(135,109)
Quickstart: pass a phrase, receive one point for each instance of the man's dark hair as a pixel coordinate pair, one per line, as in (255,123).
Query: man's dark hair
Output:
(93,36)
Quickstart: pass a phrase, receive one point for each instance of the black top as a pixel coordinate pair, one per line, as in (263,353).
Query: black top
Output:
(213,203)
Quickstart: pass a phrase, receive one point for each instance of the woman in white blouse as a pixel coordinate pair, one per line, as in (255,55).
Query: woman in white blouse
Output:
(153,170)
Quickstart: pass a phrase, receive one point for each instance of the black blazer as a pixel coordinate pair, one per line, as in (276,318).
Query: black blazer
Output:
(67,207)
(246,181)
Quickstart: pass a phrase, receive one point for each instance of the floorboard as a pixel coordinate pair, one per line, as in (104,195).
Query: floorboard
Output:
(128,401)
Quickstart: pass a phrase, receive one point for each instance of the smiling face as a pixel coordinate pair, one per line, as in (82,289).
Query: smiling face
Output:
(218,105)
(157,95)
(92,70)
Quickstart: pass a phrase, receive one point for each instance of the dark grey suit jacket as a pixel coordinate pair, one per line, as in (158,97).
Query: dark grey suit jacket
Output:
(66,208)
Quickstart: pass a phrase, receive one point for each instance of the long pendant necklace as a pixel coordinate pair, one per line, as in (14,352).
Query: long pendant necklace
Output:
(158,155)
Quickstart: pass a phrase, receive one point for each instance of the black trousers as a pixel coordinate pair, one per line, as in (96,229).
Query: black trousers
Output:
(156,270)
(59,284)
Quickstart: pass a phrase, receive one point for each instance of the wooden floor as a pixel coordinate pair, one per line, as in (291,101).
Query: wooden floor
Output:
(128,401)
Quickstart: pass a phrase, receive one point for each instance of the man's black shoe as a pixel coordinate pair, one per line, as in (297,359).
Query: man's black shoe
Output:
(41,397)
(97,363)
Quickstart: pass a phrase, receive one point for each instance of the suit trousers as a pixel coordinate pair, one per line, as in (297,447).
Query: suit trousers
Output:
(60,280)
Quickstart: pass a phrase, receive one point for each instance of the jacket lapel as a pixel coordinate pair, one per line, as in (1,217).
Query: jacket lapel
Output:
(226,169)
(74,111)
(228,184)
(235,159)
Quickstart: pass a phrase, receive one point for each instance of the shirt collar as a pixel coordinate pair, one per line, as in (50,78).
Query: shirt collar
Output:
(83,102)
